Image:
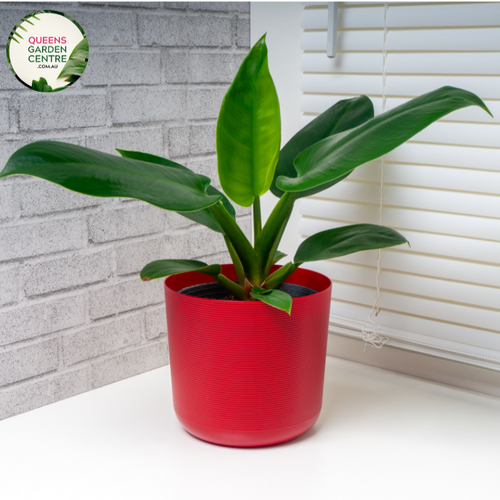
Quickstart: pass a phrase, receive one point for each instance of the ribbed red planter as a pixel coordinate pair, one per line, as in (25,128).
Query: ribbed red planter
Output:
(244,373)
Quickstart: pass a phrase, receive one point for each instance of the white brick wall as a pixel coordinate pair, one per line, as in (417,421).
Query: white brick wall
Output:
(73,313)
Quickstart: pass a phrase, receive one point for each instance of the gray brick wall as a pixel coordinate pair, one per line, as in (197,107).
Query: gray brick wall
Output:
(73,313)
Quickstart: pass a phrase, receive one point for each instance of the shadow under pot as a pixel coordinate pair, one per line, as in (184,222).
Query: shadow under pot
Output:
(244,373)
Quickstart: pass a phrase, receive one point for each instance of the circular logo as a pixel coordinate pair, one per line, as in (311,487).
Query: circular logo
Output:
(47,51)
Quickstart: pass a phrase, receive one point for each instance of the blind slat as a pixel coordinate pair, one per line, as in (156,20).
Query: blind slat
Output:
(370,16)
(474,63)
(418,329)
(398,86)
(429,265)
(465,63)
(462,134)
(473,181)
(443,15)
(488,87)
(429,308)
(352,85)
(457,179)
(405,218)
(442,201)
(372,40)
(454,40)
(443,155)
(438,40)
(421,286)
(342,63)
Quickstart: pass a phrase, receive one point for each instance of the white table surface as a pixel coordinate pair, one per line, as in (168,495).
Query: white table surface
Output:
(380,436)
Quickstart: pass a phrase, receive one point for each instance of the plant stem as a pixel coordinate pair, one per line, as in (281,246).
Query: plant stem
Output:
(236,262)
(257,220)
(272,253)
(240,243)
(275,280)
(232,287)
(272,232)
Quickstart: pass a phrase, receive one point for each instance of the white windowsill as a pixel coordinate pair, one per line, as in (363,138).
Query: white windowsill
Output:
(380,435)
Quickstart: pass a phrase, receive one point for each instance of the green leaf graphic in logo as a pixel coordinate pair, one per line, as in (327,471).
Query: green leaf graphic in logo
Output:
(42,86)
(77,62)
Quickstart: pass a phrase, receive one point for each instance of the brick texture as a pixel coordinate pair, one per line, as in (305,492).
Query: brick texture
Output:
(101,339)
(145,105)
(106,29)
(178,141)
(207,30)
(126,68)
(132,257)
(121,223)
(34,320)
(156,325)
(174,66)
(204,103)
(37,112)
(148,140)
(10,204)
(129,364)
(125,296)
(165,31)
(25,362)
(40,198)
(202,139)
(41,238)
(206,68)
(4,115)
(74,314)
(29,395)
(9,285)
(67,272)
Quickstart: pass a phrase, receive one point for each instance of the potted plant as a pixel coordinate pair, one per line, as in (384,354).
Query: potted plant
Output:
(247,369)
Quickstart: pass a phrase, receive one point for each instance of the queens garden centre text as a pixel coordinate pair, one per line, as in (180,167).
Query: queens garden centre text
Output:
(47,49)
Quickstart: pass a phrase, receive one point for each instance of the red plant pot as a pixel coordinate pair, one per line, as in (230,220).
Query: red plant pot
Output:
(244,373)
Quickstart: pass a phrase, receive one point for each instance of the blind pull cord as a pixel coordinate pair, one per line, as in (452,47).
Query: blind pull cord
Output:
(371,335)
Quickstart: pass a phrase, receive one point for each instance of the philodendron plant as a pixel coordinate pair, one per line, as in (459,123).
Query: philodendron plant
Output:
(250,163)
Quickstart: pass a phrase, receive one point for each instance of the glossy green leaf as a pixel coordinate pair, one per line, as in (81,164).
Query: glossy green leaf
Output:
(275,298)
(341,153)
(100,174)
(249,130)
(203,217)
(346,240)
(278,256)
(343,115)
(167,267)
(77,61)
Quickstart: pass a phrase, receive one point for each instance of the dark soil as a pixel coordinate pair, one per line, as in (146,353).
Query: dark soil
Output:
(217,292)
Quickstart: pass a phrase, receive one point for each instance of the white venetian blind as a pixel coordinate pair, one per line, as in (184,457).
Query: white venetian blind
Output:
(441,189)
